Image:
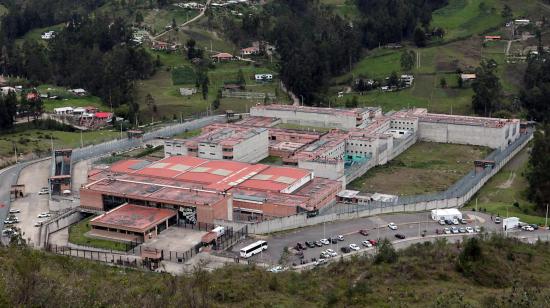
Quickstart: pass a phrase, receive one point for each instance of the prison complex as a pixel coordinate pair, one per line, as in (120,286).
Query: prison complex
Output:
(215,176)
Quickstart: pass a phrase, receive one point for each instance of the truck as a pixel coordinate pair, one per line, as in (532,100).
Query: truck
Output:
(211,236)
(510,223)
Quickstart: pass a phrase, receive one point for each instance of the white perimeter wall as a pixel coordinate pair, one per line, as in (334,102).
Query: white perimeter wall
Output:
(335,120)
(253,149)
(333,170)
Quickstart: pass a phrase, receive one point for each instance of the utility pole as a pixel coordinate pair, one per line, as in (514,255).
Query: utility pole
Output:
(81,140)
(15,152)
(546,219)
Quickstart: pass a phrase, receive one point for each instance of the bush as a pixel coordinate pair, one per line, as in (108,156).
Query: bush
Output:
(386,253)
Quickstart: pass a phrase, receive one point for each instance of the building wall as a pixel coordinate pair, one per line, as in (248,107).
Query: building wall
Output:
(335,120)
(253,149)
(210,151)
(468,134)
(404,123)
(333,170)
(91,199)
(175,147)
(268,209)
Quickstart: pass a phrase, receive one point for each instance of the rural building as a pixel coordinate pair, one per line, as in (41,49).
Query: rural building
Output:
(187,91)
(244,144)
(63,110)
(204,190)
(222,56)
(467,77)
(254,50)
(78,92)
(132,223)
(263,77)
(316,116)
(492,38)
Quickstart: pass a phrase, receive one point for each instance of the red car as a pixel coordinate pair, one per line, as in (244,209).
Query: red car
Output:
(373,242)
(364,232)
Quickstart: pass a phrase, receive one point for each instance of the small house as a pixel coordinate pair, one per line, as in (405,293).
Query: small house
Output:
(63,111)
(492,38)
(250,51)
(263,77)
(222,56)
(78,92)
(188,91)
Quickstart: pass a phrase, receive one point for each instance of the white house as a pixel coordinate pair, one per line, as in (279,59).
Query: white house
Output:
(48,35)
(78,92)
(63,110)
(263,77)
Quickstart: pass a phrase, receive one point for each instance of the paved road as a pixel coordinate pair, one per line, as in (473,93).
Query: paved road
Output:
(410,225)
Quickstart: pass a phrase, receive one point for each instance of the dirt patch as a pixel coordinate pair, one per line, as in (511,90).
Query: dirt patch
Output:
(508,183)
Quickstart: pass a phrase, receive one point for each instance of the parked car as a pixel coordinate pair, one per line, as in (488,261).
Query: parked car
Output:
(448,221)
(442,222)
(392,226)
(527,228)
(320,262)
(364,232)
(325,255)
(455,221)
(477,229)
(447,231)
(535,226)
(44,215)
(366,244)
(318,243)
(354,247)
(38,224)
(469,229)
(310,244)
(373,242)
(497,220)
(44,191)
(340,237)
(299,246)
(324,241)
(454,230)
(463,221)
(462,230)
(345,249)
(15,211)
(334,240)
(331,252)
(276,269)
(400,236)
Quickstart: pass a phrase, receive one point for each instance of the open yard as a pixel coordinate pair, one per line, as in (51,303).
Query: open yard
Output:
(77,235)
(425,167)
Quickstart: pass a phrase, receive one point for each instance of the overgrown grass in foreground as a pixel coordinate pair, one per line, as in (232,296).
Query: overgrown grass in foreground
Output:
(490,272)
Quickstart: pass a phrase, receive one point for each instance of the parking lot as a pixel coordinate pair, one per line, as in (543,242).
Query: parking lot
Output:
(412,226)
(34,177)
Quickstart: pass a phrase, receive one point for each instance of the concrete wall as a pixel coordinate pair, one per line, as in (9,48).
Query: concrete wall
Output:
(58,223)
(301,220)
(253,149)
(468,134)
(333,170)
(335,120)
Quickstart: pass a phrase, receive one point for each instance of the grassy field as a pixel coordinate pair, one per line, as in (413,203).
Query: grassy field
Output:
(424,167)
(159,19)
(462,18)
(30,140)
(170,103)
(506,187)
(77,235)
(303,127)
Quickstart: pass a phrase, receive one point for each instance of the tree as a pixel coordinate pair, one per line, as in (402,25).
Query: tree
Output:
(536,89)
(507,12)
(407,60)
(459,81)
(241,81)
(386,253)
(150,102)
(139,18)
(488,92)
(174,25)
(204,87)
(539,165)
(216,104)
(443,82)
(393,80)
(353,103)
(420,37)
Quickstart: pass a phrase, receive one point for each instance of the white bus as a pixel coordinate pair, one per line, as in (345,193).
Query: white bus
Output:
(253,249)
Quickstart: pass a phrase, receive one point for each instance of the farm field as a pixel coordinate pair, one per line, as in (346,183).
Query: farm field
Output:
(425,167)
